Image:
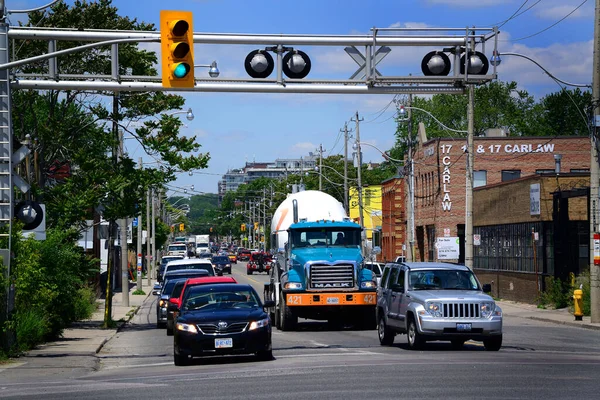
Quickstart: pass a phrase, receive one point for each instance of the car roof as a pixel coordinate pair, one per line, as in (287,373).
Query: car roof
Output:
(224,287)
(434,265)
(190,261)
(205,280)
(184,272)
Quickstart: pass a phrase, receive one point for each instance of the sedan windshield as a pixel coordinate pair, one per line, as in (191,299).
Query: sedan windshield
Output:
(442,280)
(227,299)
(220,260)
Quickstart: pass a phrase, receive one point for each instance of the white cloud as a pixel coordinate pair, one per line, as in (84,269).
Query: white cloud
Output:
(304,147)
(557,9)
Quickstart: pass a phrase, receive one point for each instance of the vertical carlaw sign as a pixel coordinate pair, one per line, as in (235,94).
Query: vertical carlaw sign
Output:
(534,199)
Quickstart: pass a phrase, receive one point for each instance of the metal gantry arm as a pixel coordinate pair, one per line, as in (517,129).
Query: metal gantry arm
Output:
(374,83)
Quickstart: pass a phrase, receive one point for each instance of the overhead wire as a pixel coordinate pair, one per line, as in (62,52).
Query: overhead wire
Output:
(514,15)
(549,27)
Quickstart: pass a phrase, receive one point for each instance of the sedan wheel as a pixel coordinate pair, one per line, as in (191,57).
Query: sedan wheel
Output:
(180,360)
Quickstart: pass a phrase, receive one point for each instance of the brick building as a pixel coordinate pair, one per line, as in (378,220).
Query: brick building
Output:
(393,225)
(531,229)
(440,178)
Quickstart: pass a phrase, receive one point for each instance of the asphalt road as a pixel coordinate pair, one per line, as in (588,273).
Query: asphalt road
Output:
(538,360)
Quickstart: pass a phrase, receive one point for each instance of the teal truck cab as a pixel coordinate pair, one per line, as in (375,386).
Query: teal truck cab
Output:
(318,271)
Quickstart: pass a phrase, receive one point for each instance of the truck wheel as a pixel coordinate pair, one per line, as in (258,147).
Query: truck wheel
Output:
(288,319)
(494,343)
(386,335)
(415,341)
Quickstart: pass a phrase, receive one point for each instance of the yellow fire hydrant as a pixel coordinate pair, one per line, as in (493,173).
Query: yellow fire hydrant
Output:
(578,304)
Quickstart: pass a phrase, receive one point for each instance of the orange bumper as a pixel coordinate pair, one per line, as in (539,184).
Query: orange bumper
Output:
(331,299)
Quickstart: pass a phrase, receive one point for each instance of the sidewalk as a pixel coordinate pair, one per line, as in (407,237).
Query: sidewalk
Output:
(531,311)
(87,337)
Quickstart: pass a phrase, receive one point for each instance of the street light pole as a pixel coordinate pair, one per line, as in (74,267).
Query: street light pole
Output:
(411,194)
(123,224)
(595,172)
(148,269)
(139,242)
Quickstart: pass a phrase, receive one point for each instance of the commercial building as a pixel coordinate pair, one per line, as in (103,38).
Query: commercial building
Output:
(372,211)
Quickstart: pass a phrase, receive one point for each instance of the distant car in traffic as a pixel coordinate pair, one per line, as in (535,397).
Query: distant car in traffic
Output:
(221,264)
(170,279)
(190,263)
(377,269)
(244,255)
(222,319)
(163,263)
(233,258)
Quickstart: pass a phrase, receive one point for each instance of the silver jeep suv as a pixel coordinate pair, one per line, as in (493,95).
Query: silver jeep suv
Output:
(436,301)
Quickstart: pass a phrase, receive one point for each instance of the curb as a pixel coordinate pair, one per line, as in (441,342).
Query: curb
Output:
(583,325)
(134,310)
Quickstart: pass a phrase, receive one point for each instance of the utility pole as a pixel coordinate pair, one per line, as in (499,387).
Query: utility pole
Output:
(139,242)
(359,184)
(148,269)
(410,256)
(321,150)
(469,180)
(153,256)
(595,172)
(123,223)
(346,169)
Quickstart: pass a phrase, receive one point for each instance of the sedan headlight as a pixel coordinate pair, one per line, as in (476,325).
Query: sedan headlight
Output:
(487,309)
(162,303)
(368,285)
(258,324)
(434,308)
(292,285)
(186,327)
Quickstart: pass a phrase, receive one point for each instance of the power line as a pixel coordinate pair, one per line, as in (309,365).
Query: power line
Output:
(551,26)
(514,15)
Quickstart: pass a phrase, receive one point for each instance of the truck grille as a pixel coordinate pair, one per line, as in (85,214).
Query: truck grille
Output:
(461,310)
(340,276)
(211,329)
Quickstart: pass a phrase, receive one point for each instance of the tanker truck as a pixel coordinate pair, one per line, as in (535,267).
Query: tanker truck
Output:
(318,269)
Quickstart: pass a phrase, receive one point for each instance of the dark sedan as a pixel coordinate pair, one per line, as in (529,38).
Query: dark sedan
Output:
(222,319)
(221,264)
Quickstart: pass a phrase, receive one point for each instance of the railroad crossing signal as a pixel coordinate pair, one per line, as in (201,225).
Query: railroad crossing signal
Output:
(177,49)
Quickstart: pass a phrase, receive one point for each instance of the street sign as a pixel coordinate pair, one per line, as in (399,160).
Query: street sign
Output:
(134,222)
(476,240)
(448,248)
(446,232)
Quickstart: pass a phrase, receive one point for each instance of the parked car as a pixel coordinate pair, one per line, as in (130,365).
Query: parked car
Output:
(221,265)
(436,301)
(377,269)
(175,301)
(163,263)
(190,263)
(244,255)
(233,258)
(222,319)
(166,288)
(259,262)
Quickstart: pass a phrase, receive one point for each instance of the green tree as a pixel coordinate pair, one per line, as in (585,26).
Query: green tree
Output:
(75,128)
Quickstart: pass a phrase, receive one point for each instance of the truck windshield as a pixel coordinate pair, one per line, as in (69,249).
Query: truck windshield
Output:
(442,280)
(341,237)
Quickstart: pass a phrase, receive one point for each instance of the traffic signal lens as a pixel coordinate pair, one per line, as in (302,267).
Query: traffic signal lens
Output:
(181,70)
(180,27)
(181,50)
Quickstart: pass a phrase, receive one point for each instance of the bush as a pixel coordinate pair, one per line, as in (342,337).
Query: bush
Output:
(556,295)
(85,303)
(31,328)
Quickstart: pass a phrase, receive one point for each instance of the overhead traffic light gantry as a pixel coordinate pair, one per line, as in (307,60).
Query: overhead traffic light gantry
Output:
(177,48)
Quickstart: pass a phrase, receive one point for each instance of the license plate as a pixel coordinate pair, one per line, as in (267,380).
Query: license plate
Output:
(333,300)
(463,327)
(223,343)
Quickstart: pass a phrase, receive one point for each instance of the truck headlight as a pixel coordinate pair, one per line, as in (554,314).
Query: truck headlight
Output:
(292,285)
(258,324)
(186,327)
(487,309)
(434,308)
(368,285)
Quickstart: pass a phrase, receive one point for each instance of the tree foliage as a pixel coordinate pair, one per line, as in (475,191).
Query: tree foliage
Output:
(75,128)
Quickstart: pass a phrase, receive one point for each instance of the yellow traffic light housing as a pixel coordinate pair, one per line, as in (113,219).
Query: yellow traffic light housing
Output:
(177,49)
(181,227)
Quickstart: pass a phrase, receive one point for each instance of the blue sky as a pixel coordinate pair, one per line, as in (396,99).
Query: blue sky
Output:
(235,128)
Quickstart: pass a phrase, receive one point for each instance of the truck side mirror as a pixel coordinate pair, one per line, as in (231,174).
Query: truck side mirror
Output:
(487,288)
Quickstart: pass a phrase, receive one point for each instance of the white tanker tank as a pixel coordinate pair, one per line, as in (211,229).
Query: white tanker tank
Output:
(313,205)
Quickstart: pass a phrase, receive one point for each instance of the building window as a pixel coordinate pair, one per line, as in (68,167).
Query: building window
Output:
(430,242)
(580,170)
(510,174)
(544,171)
(479,178)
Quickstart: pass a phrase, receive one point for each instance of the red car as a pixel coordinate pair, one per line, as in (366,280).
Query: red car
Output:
(243,255)
(260,261)
(175,303)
